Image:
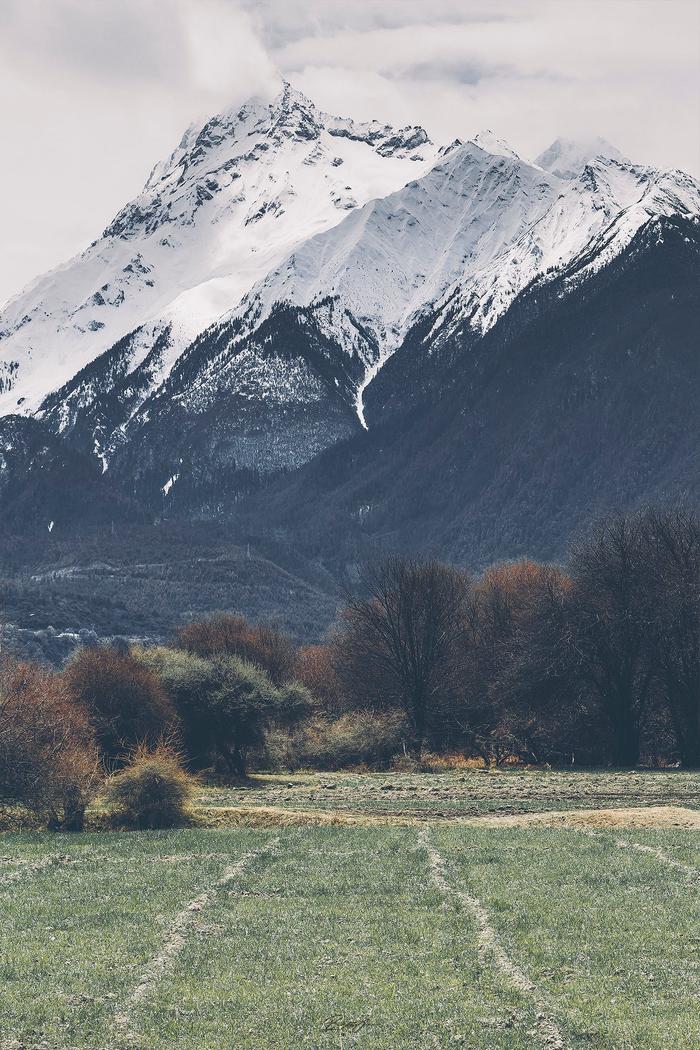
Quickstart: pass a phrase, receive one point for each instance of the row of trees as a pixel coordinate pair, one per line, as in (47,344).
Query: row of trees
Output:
(598,663)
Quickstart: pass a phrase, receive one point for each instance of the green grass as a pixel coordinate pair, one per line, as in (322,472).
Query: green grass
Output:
(341,938)
(74,935)
(681,846)
(611,936)
(338,937)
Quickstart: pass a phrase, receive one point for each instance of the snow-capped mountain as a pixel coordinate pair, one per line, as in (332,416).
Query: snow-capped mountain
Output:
(590,221)
(230,320)
(568,157)
(395,257)
(491,143)
(235,197)
(464,240)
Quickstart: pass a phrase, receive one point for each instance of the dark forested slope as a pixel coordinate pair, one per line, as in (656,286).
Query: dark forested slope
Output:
(580,400)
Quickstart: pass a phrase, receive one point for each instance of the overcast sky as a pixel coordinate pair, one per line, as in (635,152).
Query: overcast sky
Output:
(94,92)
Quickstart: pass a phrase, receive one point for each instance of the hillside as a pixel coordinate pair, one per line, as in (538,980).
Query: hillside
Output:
(574,404)
(309,337)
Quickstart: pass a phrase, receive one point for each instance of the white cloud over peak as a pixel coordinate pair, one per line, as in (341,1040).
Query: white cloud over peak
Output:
(95,91)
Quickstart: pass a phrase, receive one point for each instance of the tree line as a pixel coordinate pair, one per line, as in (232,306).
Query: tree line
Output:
(595,663)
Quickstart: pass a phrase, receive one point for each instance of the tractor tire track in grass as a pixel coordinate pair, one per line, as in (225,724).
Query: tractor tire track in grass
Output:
(179,929)
(20,870)
(691,873)
(490,948)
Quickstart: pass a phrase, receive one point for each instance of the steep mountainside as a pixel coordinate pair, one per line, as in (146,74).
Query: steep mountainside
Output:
(307,357)
(572,405)
(232,201)
(46,483)
(318,334)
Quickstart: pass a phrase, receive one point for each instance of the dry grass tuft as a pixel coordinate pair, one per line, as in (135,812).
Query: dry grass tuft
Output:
(153,791)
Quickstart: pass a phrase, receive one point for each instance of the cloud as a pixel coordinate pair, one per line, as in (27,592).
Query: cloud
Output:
(194,47)
(531,69)
(226,57)
(280,22)
(98,40)
(94,92)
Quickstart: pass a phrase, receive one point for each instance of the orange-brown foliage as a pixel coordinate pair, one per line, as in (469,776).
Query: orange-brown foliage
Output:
(228,633)
(48,757)
(315,668)
(125,700)
(519,578)
(506,592)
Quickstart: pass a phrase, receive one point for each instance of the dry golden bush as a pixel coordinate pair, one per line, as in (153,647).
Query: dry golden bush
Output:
(48,756)
(152,791)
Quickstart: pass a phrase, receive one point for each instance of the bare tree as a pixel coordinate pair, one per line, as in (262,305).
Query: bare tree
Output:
(671,551)
(512,698)
(400,640)
(608,628)
(48,757)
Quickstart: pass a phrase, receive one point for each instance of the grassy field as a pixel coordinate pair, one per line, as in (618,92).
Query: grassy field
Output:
(427,932)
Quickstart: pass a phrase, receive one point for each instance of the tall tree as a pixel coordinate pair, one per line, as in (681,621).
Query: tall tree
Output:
(671,550)
(514,668)
(608,630)
(402,636)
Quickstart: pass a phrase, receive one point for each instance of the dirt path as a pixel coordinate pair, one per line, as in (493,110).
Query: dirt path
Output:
(618,817)
(177,936)
(622,817)
(21,868)
(490,948)
(670,862)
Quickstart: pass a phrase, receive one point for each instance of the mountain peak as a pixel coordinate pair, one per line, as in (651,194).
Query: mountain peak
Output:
(294,115)
(568,157)
(289,97)
(490,143)
(365,225)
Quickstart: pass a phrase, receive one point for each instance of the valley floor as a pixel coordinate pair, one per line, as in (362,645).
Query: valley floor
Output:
(498,927)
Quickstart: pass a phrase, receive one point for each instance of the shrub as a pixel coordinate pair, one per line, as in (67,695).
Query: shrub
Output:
(185,677)
(48,758)
(227,633)
(224,704)
(357,738)
(125,701)
(294,703)
(153,791)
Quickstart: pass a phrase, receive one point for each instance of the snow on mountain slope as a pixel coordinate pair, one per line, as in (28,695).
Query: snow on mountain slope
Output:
(394,257)
(590,222)
(229,204)
(464,240)
(238,309)
(489,142)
